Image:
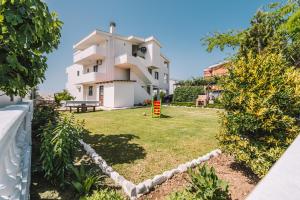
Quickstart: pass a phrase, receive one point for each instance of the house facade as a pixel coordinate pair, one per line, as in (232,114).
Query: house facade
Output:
(219,69)
(118,71)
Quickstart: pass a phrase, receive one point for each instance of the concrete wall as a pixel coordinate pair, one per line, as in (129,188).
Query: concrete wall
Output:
(283,180)
(15,151)
(124,94)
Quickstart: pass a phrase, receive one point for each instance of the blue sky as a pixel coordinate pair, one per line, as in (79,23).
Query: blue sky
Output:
(178,24)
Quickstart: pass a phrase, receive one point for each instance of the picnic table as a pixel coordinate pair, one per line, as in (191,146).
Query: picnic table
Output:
(82,105)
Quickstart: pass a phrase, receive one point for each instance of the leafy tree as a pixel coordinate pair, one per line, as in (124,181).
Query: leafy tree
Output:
(64,95)
(261,92)
(262,101)
(28,31)
(274,28)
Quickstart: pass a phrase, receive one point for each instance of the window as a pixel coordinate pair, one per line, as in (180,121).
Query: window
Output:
(148,89)
(78,73)
(90,90)
(95,68)
(156,75)
(88,70)
(99,62)
(166,78)
(79,89)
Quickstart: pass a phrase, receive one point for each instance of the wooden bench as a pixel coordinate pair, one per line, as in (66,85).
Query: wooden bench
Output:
(82,105)
(202,100)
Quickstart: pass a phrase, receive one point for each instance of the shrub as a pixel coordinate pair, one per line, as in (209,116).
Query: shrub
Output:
(188,104)
(215,105)
(104,195)
(185,195)
(187,93)
(41,116)
(84,180)
(162,96)
(204,185)
(58,145)
(64,95)
(261,98)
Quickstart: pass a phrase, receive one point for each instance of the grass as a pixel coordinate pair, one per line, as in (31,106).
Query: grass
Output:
(139,146)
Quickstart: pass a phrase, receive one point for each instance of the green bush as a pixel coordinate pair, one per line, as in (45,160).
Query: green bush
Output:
(61,96)
(187,93)
(189,104)
(41,116)
(204,185)
(59,143)
(262,101)
(84,180)
(104,195)
(215,105)
(185,195)
(162,96)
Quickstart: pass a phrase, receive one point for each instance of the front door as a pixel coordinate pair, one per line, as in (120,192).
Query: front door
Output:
(101,95)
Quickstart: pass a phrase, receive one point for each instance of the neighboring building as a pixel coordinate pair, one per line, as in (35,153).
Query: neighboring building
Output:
(219,69)
(117,71)
(172,85)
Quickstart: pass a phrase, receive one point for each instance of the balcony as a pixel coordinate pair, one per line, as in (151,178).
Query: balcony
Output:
(91,77)
(89,55)
(138,65)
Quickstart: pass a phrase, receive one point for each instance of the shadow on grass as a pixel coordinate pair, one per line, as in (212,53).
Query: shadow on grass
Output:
(165,116)
(116,149)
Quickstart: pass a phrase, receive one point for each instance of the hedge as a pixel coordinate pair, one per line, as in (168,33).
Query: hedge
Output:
(187,93)
(188,104)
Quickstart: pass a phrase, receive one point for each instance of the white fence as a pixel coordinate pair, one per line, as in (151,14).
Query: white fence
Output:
(15,151)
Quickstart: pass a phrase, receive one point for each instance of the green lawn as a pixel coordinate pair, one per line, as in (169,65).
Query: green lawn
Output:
(139,146)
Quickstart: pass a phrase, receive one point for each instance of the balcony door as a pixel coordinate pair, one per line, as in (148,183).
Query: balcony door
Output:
(101,95)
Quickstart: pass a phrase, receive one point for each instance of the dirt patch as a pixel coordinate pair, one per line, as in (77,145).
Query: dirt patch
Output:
(241,180)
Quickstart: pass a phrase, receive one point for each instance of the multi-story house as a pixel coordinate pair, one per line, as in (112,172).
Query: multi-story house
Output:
(220,69)
(117,71)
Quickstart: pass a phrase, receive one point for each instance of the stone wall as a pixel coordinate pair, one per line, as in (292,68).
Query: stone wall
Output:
(15,151)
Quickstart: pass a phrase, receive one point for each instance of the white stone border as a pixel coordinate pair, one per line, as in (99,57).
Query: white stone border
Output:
(199,107)
(133,191)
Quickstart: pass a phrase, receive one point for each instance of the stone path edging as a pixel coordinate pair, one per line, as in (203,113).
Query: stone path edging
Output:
(133,191)
(193,107)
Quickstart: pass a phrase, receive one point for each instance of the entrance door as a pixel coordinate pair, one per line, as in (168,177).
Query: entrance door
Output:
(101,95)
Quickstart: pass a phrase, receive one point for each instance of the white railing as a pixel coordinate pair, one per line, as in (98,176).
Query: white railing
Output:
(93,52)
(139,63)
(15,151)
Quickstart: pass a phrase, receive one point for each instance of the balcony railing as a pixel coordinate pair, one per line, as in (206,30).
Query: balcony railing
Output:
(92,53)
(138,64)
(91,77)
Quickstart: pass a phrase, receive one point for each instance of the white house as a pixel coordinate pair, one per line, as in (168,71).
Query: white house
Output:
(117,71)
(172,85)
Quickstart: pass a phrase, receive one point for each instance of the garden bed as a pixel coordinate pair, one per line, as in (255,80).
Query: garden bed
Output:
(241,181)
